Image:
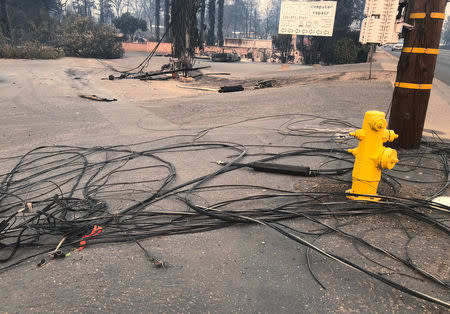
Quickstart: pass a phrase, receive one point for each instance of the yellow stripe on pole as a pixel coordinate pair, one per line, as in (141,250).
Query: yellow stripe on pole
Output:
(428,51)
(417,15)
(422,15)
(437,15)
(413,85)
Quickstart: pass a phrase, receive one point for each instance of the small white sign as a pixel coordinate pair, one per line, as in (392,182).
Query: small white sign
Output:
(312,18)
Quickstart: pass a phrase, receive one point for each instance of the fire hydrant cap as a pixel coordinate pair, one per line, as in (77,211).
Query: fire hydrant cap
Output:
(390,136)
(388,158)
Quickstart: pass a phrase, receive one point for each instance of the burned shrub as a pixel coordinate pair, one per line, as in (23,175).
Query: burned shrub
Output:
(345,51)
(82,37)
(30,50)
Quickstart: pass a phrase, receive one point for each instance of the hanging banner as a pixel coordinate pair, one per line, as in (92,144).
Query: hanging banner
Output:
(313,18)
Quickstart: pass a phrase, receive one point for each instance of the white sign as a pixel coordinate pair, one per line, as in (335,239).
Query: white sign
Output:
(314,18)
(380,26)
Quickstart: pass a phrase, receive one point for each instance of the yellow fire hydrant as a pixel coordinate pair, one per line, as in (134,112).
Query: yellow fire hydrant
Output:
(371,156)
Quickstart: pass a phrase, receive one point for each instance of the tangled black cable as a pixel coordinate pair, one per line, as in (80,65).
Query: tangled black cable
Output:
(63,198)
(143,64)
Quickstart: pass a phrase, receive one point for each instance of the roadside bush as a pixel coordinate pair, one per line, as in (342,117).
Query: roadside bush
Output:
(345,51)
(82,37)
(342,48)
(30,50)
(363,53)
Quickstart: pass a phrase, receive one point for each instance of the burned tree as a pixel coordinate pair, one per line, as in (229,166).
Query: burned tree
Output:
(167,19)
(105,10)
(157,15)
(185,36)
(117,4)
(210,39)
(220,22)
(202,19)
(4,21)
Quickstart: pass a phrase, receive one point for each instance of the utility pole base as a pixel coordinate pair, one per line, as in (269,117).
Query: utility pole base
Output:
(407,117)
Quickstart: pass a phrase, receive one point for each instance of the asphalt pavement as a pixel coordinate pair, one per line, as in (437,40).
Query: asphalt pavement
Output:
(238,269)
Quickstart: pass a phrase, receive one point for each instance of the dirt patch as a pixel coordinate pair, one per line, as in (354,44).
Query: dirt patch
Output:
(305,79)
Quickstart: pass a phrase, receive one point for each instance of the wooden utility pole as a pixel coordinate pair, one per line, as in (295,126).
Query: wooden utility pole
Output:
(415,71)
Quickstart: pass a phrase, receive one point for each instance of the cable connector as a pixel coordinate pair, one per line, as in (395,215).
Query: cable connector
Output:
(59,254)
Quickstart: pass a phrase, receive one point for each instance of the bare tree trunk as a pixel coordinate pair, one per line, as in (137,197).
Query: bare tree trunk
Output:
(250,22)
(220,23)
(117,4)
(255,23)
(167,19)
(148,13)
(128,6)
(246,22)
(4,21)
(234,23)
(184,30)
(212,22)
(266,30)
(101,4)
(202,19)
(157,12)
(138,8)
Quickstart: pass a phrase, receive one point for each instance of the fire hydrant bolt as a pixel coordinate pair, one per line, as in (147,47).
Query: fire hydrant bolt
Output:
(371,156)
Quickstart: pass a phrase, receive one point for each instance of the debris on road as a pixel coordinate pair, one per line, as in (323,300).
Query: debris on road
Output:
(41,263)
(266,84)
(199,88)
(223,89)
(231,89)
(112,77)
(150,75)
(96,98)
(219,73)
(155,261)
